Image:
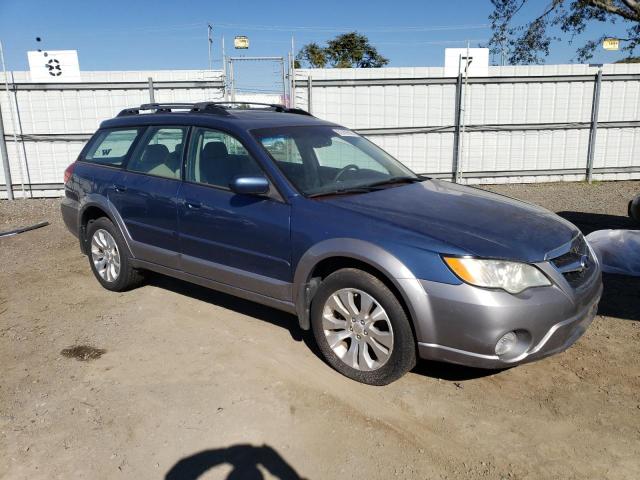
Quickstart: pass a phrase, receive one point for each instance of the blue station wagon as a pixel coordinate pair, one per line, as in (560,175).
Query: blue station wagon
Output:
(385,266)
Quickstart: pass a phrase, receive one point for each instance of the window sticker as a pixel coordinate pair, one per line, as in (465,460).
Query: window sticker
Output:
(343,132)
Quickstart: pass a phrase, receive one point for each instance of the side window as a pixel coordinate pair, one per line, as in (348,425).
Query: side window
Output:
(341,153)
(216,158)
(160,152)
(110,147)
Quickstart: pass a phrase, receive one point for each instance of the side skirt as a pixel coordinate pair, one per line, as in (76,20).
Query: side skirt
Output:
(288,307)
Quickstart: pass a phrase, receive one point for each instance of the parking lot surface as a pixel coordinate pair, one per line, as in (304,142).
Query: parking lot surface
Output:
(174,380)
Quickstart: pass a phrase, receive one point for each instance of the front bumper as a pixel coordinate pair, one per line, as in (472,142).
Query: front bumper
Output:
(463,322)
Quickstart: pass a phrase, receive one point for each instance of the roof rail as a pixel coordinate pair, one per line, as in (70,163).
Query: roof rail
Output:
(217,108)
(277,107)
(298,111)
(204,107)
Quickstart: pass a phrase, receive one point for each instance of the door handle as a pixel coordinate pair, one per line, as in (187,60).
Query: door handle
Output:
(192,205)
(120,188)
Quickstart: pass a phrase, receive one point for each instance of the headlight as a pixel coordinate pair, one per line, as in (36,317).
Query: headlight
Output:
(514,277)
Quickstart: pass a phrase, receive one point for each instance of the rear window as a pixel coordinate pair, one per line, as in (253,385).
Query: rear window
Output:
(110,147)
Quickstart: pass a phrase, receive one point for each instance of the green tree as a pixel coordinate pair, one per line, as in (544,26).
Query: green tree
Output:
(529,42)
(349,50)
(313,55)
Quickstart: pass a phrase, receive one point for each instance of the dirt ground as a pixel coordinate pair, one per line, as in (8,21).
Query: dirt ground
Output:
(190,381)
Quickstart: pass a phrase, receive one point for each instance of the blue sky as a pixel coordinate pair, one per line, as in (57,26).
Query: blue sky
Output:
(136,35)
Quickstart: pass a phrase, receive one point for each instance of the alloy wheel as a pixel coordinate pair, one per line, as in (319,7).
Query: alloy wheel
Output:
(357,329)
(105,255)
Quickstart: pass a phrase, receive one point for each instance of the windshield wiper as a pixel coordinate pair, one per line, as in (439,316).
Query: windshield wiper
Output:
(369,188)
(340,191)
(392,180)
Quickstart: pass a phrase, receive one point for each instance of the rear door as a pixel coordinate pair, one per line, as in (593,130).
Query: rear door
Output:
(145,195)
(239,240)
(104,158)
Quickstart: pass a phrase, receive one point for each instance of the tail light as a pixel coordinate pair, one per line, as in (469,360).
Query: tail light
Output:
(69,172)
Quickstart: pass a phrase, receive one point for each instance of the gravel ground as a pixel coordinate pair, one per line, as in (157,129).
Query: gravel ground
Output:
(178,380)
(590,207)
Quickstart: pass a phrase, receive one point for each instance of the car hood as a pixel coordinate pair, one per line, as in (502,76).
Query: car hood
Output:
(481,223)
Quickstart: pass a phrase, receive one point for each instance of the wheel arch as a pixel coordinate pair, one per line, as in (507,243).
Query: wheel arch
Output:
(326,257)
(93,209)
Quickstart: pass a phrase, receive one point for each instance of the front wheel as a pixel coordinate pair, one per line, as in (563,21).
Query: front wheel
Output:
(361,328)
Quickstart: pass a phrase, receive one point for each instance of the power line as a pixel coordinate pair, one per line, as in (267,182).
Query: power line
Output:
(289,28)
(145,29)
(436,42)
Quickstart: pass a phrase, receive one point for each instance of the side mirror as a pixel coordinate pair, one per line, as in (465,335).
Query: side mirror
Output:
(250,185)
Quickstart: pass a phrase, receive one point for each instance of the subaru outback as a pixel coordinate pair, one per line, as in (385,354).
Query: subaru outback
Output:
(385,266)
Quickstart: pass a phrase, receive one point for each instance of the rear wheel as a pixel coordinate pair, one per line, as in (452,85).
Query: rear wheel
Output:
(109,258)
(361,328)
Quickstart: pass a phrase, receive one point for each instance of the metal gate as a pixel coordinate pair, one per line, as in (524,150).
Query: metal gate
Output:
(259,90)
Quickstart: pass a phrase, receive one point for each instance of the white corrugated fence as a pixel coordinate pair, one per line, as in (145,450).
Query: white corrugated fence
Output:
(519,124)
(528,123)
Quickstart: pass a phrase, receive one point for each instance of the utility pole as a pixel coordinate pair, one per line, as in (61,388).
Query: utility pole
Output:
(15,136)
(461,111)
(595,107)
(5,161)
(3,146)
(232,84)
(210,41)
(292,74)
(225,79)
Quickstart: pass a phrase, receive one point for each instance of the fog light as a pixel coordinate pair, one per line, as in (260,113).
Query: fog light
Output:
(506,343)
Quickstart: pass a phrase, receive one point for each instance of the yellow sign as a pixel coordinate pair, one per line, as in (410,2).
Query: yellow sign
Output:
(241,42)
(611,44)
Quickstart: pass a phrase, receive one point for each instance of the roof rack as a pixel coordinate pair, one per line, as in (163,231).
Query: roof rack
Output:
(207,107)
(277,107)
(217,108)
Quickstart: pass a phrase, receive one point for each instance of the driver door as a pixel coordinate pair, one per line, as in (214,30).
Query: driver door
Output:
(239,240)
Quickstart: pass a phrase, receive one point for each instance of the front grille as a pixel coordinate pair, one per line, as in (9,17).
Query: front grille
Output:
(575,279)
(577,263)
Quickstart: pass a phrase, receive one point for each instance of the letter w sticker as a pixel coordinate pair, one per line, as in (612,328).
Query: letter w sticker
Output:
(106,151)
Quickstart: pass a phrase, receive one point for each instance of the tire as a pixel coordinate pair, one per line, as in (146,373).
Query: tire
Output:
(104,238)
(353,334)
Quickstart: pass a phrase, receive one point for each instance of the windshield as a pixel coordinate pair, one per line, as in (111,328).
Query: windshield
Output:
(323,160)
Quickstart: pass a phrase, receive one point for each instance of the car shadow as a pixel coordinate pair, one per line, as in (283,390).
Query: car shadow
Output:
(590,222)
(239,305)
(243,458)
(621,292)
(432,369)
(450,371)
(620,297)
